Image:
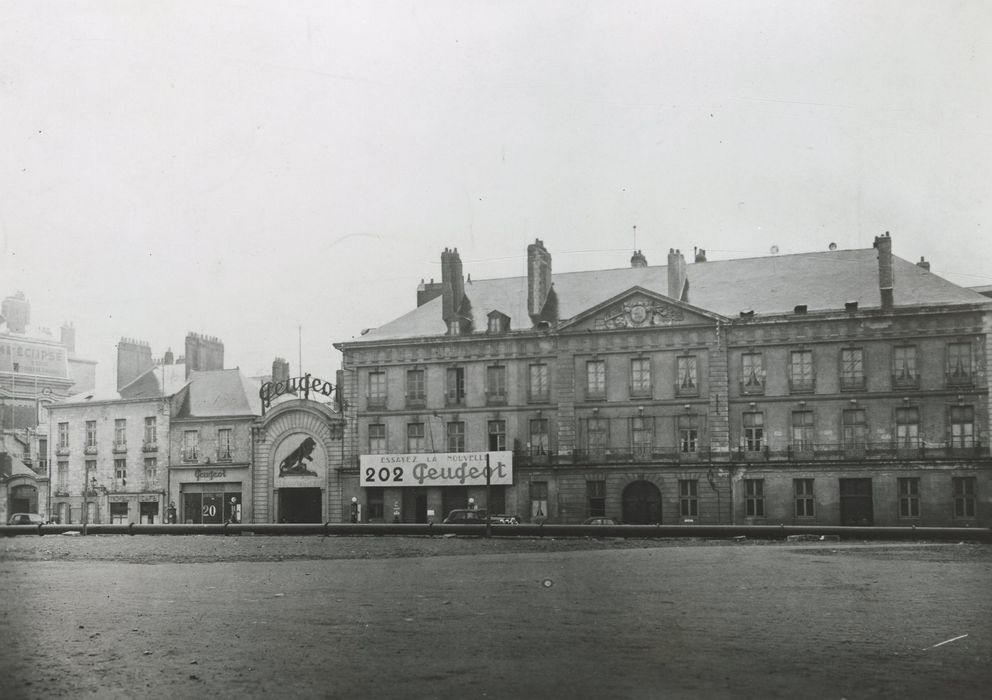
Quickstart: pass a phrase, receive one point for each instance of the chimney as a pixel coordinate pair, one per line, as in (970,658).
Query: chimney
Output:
(169,359)
(924,264)
(538,278)
(676,274)
(638,259)
(885,278)
(68,337)
(16,310)
(700,254)
(203,353)
(280,370)
(134,358)
(452,290)
(427,292)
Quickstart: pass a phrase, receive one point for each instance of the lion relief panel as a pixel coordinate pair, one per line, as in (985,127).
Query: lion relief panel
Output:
(299,456)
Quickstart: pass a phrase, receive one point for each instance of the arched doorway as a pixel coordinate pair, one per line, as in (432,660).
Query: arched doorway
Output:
(641,503)
(23,499)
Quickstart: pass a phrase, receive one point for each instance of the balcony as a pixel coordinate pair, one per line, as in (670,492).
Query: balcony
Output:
(225,455)
(889,450)
(62,451)
(375,402)
(89,450)
(686,389)
(416,401)
(190,455)
(752,387)
(496,397)
(454,398)
(802,385)
(640,391)
(959,380)
(120,448)
(149,446)
(539,397)
(853,383)
(905,382)
(62,491)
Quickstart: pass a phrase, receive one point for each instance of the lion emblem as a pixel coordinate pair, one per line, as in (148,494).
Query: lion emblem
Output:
(294,464)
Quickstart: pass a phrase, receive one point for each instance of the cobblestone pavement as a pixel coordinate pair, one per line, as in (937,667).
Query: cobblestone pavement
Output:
(454,617)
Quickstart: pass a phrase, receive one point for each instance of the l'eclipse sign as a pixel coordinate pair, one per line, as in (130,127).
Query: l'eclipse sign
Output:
(444,469)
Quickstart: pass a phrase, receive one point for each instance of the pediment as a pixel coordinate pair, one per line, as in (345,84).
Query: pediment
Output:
(639,308)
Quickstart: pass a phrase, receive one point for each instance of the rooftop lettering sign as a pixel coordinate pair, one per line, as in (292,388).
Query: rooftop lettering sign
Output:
(306,384)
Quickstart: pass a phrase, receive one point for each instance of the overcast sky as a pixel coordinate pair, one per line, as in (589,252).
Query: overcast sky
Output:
(244,169)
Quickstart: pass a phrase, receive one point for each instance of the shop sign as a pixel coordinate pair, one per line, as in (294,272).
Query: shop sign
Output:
(210,474)
(148,498)
(32,358)
(119,499)
(305,384)
(437,469)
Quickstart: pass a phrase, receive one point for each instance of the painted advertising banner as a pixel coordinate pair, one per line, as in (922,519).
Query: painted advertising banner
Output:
(32,358)
(437,469)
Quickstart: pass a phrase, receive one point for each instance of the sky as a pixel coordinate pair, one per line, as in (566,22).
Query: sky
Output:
(283,175)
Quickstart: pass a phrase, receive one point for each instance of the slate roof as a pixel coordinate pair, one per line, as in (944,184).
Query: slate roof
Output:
(823,281)
(222,392)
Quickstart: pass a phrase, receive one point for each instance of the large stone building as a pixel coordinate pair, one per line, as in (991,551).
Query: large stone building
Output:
(835,387)
(37,370)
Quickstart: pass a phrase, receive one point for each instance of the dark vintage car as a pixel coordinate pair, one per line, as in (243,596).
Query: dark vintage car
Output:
(26,519)
(469,516)
(599,520)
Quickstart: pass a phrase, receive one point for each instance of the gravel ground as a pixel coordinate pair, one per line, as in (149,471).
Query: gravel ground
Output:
(455,617)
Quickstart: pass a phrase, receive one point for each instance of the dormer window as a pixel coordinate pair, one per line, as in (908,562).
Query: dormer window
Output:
(498,323)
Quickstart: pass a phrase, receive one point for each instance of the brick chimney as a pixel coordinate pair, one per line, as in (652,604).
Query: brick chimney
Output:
(280,370)
(638,259)
(169,358)
(16,310)
(68,338)
(676,274)
(538,278)
(925,264)
(134,358)
(700,254)
(452,290)
(886,280)
(426,291)
(203,353)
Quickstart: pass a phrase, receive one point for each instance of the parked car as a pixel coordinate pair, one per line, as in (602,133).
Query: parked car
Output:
(467,515)
(26,519)
(599,521)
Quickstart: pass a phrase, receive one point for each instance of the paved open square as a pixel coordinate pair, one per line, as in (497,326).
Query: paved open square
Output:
(447,617)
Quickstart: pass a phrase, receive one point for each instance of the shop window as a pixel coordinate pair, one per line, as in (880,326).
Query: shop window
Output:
(909,498)
(688,498)
(212,508)
(374,504)
(118,513)
(596,498)
(803,490)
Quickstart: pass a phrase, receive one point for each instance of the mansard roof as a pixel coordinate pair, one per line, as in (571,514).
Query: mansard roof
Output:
(823,281)
(222,392)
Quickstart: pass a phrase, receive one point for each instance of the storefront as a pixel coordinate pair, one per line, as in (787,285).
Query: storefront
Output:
(140,508)
(209,495)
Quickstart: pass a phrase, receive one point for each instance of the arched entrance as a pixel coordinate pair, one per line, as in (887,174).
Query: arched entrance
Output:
(23,499)
(641,503)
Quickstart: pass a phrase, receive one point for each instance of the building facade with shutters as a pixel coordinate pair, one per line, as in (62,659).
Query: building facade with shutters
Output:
(834,387)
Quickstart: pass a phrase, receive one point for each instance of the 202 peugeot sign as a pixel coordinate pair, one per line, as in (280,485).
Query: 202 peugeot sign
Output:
(437,469)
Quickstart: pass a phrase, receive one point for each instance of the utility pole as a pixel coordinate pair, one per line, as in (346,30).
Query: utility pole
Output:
(489,503)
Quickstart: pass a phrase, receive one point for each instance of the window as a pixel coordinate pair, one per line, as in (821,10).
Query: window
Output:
(641,435)
(752,373)
(151,468)
(374,504)
(640,376)
(377,438)
(964,496)
(497,435)
(754,498)
(596,379)
(225,452)
(538,499)
(62,480)
(91,433)
(416,387)
(907,427)
(852,369)
(456,436)
(801,378)
(686,383)
(904,375)
(118,513)
(597,436)
(415,443)
(802,430)
(688,427)
(959,364)
(496,384)
(89,474)
(539,387)
(191,445)
(455,386)
(688,497)
(120,432)
(63,436)
(120,472)
(151,431)
(803,489)
(540,443)
(962,426)
(909,498)
(855,422)
(377,389)
(495,323)
(596,498)
(754,431)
